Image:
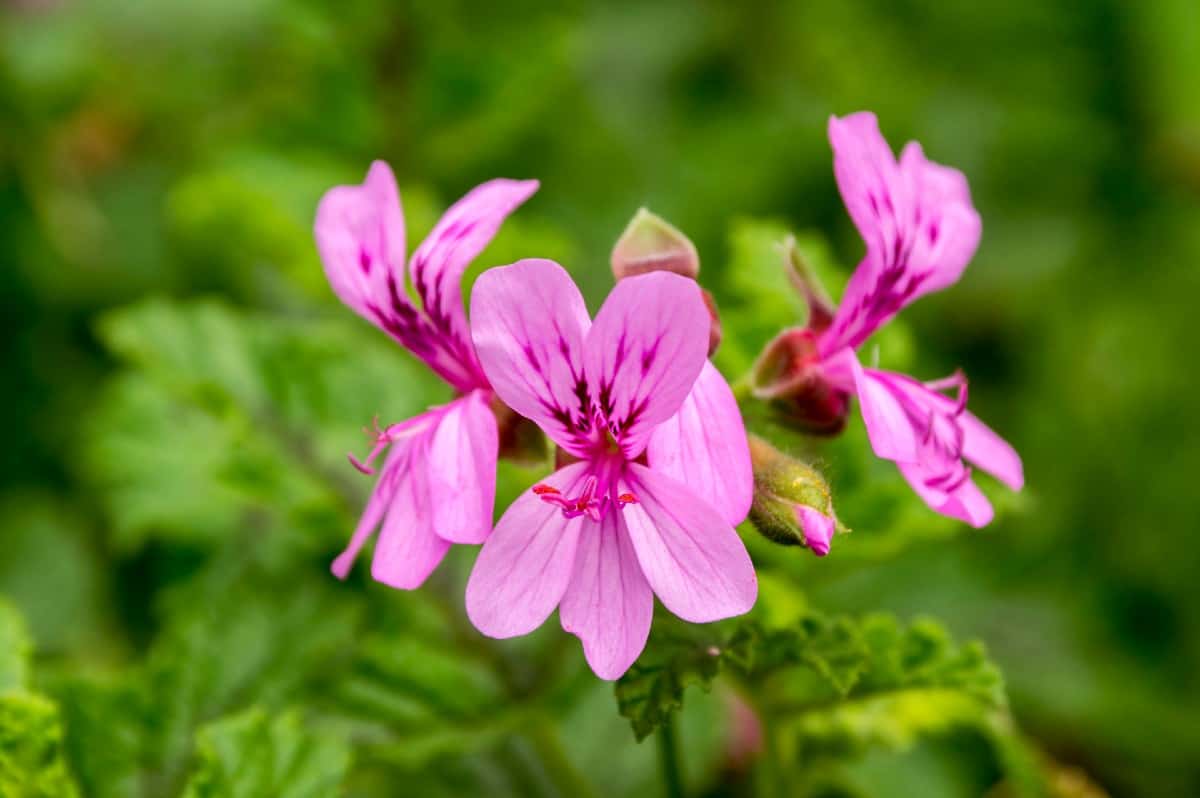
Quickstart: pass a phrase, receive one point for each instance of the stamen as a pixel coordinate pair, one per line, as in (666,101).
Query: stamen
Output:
(593,501)
(384,438)
(958,381)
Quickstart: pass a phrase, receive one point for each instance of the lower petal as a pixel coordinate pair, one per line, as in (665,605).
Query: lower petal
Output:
(966,502)
(608,604)
(704,446)
(525,565)
(381,498)
(462,470)
(408,549)
(889,427)
(691,556)
(990,452)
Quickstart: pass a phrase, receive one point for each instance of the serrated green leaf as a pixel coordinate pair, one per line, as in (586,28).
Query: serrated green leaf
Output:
(678,656)
(31,748)
(252,754)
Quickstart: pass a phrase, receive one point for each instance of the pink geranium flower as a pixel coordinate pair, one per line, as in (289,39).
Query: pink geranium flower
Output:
(450,451)
(622,522)
(921,230)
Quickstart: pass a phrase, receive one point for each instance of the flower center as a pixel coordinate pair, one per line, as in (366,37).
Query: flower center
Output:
(593,500)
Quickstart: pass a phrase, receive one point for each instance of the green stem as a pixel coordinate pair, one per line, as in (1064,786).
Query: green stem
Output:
(668,756)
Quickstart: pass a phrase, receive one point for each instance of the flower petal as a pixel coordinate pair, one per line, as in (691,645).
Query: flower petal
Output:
(915,216)
(644,352)
(528,323)
(360,236)
(889,426)
(966,502)
(608,604)
(818,529)
(462,470)
(525,565)
(457,239)
(980,445)
(691,556)
(408,549)
(989,451)
(704,447)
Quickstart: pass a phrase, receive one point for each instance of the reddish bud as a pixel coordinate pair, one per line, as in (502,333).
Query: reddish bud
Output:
(650,244)
(789,373)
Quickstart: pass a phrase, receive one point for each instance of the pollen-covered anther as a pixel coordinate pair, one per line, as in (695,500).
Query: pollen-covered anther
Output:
(627,498)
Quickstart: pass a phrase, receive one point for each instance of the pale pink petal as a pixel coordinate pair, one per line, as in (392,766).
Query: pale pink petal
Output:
(459,236)
(915,217)
(691,556)
(608,604)
(868,177)
(818,529)
(462,478)
(989,451)
(644,352)
(704,447)
(980,445)
(408,550)
(528,323)
(944,231)
(360,236)
(966,502)
(889,426)
(525,565)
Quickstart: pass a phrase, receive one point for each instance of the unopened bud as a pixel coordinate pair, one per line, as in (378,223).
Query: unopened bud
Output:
(792,503)
(789,373)
(651,244)
(806,282)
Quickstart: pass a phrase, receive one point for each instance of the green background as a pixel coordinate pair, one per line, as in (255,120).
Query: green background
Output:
(173,481)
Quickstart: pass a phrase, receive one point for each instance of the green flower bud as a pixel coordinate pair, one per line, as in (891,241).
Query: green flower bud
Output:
(792,502)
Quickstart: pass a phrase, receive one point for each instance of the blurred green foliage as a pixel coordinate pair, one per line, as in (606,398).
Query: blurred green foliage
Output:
(181,387)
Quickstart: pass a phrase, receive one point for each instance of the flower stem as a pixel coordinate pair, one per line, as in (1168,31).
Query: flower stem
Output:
(668,756)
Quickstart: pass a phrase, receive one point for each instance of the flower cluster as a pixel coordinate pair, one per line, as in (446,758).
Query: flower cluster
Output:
(654,467)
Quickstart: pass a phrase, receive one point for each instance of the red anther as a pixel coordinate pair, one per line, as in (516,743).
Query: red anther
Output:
(627,498)
(542,490)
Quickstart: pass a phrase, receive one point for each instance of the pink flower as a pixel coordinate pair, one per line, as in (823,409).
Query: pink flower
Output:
(439,480)
(625,521)
(921,230)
